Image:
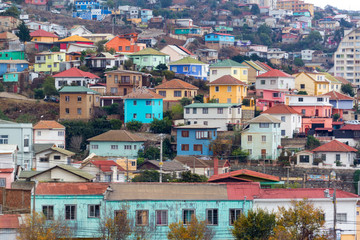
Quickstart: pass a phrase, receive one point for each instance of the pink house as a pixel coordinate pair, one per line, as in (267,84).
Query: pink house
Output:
(6,177)
(270,98)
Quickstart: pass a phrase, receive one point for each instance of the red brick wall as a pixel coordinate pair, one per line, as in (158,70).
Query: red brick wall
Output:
(15,200)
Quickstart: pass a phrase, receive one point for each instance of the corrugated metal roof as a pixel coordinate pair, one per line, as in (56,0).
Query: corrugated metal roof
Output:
(211,105)
(117,136)
(66,188)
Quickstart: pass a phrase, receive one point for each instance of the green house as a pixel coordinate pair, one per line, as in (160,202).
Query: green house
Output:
(11,77)
(149,58)
(12,55)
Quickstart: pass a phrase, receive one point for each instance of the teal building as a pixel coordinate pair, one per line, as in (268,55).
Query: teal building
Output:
(12,55)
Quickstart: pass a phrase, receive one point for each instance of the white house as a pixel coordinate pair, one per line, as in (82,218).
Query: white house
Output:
(8,155)
(74,76)
(79,30)
(103,61)
(49,131)
(271,199)
(276,53)
(306,55)
(184,22)
(76,47)
(275,80)
(177,52)
(335,153)
(213,115)
(104,170)
(48,157)
(290,119)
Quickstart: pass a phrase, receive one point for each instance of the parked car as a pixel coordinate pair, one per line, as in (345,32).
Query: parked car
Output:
(352,122)
(51,99)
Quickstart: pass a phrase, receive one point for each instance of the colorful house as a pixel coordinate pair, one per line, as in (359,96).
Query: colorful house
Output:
(341,103)
(228,67)
(270,98)
(146,15)
(312,83)
(12,55)
(191,67)
(125,44)
(219,40)
(122,82)
(104,170)
(227,89)
(176,52)
(13,66)
(49,131)
(143,105)
(74,76)
(64,43)
(117,143)
(195,139)
(262,138)
(43,36)
(48,61)
(274,80)
(254,70)
(176,89)
(148,58)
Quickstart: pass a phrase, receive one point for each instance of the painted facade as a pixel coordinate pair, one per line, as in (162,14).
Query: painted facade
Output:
(12,55)
(176,89)
(49,132)
(228,67)
(191,67)
(219,40)
(10,66)
(148,58)
(312,83)
(227,89)
(52,157)
(48,61)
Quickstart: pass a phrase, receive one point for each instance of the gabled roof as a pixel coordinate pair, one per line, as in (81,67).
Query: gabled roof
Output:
(148,51)
(280,109)
(352,127)
(117,136)
(77,89)
(192,161)
(228,63)
(67,188)
(68,168)
(255,66)
(274,73)
(245,175)
(185,50)
(40,147)
(143,93)
(226,80)
(176,84)
(212,105)
(42,33)
(8,35)
(344,81)
(167,165)
(334,146)
(48,124)
(186,61)
(263,65)
(75,38)
(105,165)
(75,72)
(264,118)
(301,193)
(337,96)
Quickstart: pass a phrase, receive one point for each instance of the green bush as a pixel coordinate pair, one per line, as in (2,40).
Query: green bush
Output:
(161,126)
(115,124)
(134,125)
(39,93)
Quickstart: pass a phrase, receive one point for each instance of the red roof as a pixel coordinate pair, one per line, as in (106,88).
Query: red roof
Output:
(301,193)
(185,50)
(238,191)
(6,170)
(105,165)
(73,188)
(337,96)
(48,124)
(352,127)
(42,33)
(75,72)
(244,172)
(334,146)
(9,221)
(275,73)
(281,109)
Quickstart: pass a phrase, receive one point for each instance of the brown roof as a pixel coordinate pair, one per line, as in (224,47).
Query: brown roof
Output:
(281,109)
(226,80)
(48,124)
(117,136)
(334,146)
(337,96)
(143,93)
(176,84)
(344,81)
(8,35)
(167,165)
(265,118)
(47,188)
(245,173)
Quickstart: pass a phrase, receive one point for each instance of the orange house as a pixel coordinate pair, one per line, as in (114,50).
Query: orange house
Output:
(122,44)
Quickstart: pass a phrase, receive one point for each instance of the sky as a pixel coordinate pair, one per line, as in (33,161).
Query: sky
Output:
(341,4)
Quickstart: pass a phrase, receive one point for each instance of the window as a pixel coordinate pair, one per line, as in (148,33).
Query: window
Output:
(26,140)
(148,115)
(187,214)
(61,133)
(283,118)
(127,48)
(114,147)
(272,82)
(116,78)
(135,102)
(304,158)
(198,147)
(213,72)
(148,103)
(39,133)
(282,132)
(262,82)
(212,216)
(303,111)
(161,217)
(162,93)
(234,214)
(185,133)
(194,110)
(120,48)
(79,98)
(44,159)
(93,211)
(341,217)
(174,69)
(337,157)
(67,98)
(67,110)
(79,111)
(320,99)
(127,147)
(94,146)
(202,135)
(134,115)
(177,93)
(70,212)
(184,147)
(249,138)
(235,71)
(263,138)
(205,110)
(133,163)
(229,88)
(216,88)
(2,182)
(187,110)
(205,123)
(4,139)
(302,86)
(194,69)
(48,211)
(185,69)
(57,157)
(220,111)
(142,217)
(323,157)
(300,99)
(264,125)
(135,147)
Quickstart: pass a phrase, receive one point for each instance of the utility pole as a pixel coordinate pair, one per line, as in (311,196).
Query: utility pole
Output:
(161,156)
(334,201)
(127,169)
(333,198)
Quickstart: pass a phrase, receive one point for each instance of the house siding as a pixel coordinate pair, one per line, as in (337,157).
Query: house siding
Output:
(191,141)
(104,149)
(141,109)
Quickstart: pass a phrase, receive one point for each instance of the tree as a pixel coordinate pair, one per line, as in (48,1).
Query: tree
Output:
(38,93)
(347,89)
(151,176)
(312,142)
(188,176)
(220,147)
(24,33)
(240,154)
(35,227)
(336,116)
(176,112)
(49,86)
(161,126)
(301,221)
(193,230)
(115,124)
(255,225)
(115,228)
(12,11)
(199,98)
(112,109)
(302,93)
(255,10)
(3,116)
(185,101)
(134,125)
(101,46)
(161,67)
(55,49)
(298,62)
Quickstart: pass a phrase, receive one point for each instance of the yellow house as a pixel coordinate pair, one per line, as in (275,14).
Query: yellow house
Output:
(312,83)
(228,67)
(335,84)
(43,36)
(48,61)
(176,89)
(227,89)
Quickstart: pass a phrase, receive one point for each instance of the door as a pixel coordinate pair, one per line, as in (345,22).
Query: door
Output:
(263,153)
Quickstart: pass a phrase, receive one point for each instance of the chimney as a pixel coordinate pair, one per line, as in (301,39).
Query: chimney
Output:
(164,80)
(114,173)
(216,166)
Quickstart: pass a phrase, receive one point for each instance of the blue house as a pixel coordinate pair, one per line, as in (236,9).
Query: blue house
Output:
(219,40)
(8,66)
(195,139)
(152,207)
(143,105)
(90,10)
(146,15)
(118,143)
(341,102)
(190,67)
